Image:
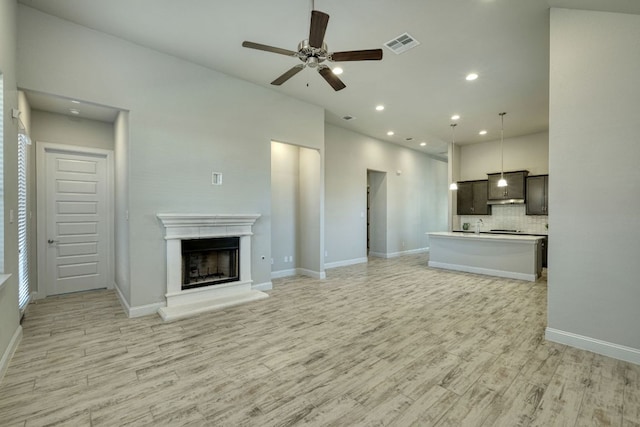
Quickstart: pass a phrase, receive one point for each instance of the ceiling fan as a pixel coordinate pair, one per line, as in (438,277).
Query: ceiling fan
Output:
(313,52)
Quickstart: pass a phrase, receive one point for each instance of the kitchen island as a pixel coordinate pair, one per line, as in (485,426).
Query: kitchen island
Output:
(503,255)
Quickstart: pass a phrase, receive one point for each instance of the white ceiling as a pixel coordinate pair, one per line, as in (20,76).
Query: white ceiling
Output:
(505,41)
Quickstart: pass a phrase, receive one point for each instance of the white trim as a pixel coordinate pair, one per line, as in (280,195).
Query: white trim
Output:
(8,353)
(409,252)
(182,311)
(310,273)
(378,254)
(176,220)
(41,211)
(397,254)
(138,311)
(3,280)
(283,273)
(146,310)
(346,262)
(621,352)
(267,286)
(485,271)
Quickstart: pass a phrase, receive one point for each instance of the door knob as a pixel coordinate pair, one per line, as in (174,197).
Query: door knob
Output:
(50,241)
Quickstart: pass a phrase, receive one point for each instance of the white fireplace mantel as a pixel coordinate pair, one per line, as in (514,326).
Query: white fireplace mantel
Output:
(178,226)
(200,226)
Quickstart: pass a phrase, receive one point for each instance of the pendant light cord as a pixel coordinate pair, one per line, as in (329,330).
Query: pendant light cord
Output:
(502,145)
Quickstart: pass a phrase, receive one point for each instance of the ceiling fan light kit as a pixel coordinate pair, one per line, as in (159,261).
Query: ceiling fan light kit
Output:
(313,52)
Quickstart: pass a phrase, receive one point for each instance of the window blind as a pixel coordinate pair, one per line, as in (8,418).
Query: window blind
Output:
(23,229)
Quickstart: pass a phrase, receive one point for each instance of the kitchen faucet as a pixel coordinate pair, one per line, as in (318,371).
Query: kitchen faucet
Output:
(478,222)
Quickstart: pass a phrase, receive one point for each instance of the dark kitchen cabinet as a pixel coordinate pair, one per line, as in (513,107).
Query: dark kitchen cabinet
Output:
(472,198)
(515,188)
(538,195)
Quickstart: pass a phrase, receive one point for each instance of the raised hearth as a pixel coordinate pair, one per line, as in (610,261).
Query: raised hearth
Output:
(183,301)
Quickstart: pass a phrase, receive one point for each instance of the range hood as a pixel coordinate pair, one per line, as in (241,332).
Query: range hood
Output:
(506,202)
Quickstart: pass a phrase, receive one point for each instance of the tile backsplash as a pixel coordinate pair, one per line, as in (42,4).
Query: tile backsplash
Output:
(506,217)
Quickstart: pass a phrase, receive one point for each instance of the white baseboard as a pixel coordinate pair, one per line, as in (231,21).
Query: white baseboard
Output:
(267,286)
(621,352)
(283,273)
(409,252)
(295,271)
(310,273)
(138,311)
(378,254)
(8,353)
(345,262)
(397,254)
(485,271)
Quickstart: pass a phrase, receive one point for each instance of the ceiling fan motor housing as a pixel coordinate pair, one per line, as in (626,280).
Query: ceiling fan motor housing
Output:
(311,56)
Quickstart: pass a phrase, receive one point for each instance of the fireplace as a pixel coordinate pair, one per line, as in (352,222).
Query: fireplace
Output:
(207,262)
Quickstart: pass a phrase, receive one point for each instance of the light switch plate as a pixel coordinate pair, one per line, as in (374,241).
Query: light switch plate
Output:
(216,178)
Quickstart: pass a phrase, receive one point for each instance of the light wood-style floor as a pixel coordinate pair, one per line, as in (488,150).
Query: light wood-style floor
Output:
(390,342)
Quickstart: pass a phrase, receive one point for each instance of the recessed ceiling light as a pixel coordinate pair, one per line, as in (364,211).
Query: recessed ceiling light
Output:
(390,133)
(422,144)
(337,71)
(482,132)
(455,117)
(471,76)
(73,101)
(379,107)
(74,111)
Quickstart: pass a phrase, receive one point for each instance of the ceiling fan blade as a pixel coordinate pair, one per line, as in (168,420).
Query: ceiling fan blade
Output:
(319,21)
(266,48)
(358,55)
(287,75)
(331,78)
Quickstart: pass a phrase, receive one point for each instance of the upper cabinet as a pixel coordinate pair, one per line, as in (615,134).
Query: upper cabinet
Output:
(515,188)
(538,195)
(472,198)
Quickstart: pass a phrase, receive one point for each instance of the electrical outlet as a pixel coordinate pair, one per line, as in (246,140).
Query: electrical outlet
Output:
(285,258)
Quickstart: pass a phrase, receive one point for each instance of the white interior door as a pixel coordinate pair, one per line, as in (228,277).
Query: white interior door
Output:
(76,204)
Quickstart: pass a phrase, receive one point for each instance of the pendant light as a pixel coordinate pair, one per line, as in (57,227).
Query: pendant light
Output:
(502,182)
(453,185)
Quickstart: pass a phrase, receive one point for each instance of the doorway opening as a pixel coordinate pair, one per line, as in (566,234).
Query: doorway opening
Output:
(376,213)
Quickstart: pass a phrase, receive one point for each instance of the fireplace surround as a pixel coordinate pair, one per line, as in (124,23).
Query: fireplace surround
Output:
(194,232)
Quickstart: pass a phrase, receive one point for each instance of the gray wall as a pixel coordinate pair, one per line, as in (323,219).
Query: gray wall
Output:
(527,152)
(9,293)
(60,129)
(310,236)
(121,239)
(185,121)
(285,194)
(594,148)
(416,199)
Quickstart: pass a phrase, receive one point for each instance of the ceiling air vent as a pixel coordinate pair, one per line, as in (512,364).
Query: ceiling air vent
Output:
(348,118)
(402,43)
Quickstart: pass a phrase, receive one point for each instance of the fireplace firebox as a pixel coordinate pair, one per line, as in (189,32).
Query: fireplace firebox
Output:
(207,262)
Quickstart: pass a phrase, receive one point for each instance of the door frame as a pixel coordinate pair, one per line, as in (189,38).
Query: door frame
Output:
(42,148)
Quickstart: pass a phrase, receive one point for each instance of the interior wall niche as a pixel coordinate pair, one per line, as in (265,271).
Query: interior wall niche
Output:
(295,210)
(376,213)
